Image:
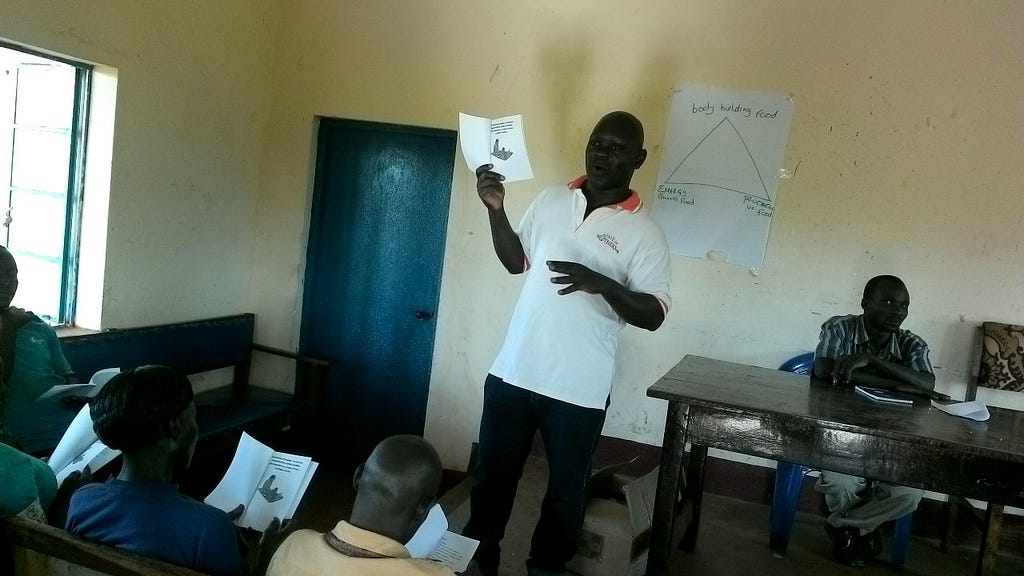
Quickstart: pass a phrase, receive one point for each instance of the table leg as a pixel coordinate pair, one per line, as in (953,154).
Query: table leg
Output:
(673,445)
(695,493)
(990,539)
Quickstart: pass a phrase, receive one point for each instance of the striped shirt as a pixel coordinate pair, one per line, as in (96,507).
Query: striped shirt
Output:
(846,336)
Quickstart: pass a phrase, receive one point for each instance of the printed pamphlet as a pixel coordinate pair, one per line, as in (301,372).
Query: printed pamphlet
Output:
(433,540)
(500,142)
(80,447)
(88,389)
(270,484)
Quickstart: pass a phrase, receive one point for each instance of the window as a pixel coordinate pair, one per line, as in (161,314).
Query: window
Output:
(43,104)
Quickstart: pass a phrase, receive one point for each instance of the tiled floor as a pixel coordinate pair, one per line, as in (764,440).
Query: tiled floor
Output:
(733,537)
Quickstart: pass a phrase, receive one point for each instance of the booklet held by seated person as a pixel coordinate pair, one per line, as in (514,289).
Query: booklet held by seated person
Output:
(80,447)
(434,541)
(86,390)
(269,484)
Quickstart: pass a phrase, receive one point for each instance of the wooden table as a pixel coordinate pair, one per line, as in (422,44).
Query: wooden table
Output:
(788,417)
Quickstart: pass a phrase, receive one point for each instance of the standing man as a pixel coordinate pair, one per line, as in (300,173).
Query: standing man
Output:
(595,261)
(871,350)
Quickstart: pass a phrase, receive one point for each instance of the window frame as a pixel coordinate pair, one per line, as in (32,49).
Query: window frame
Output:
(66,307)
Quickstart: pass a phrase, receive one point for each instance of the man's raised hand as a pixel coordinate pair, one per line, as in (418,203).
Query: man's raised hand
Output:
(489,187)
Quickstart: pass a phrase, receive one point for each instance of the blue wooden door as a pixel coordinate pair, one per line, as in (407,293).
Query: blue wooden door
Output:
(373,275)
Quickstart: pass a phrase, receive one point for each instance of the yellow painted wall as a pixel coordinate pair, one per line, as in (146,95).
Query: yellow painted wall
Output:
(192,90)
(907,132)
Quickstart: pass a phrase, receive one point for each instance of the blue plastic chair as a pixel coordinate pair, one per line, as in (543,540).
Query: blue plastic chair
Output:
(789,480)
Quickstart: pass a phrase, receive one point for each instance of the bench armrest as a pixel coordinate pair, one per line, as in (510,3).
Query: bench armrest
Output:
(293,355)
(311,380)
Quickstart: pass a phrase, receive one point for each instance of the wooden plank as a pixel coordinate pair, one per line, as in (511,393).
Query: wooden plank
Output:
(56,543)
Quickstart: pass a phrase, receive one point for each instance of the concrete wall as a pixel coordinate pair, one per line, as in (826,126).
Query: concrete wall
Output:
(907,132)
(191,89)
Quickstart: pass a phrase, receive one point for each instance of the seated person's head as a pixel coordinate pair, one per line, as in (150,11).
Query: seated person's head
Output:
(8,278)
(148,414)
(396,487)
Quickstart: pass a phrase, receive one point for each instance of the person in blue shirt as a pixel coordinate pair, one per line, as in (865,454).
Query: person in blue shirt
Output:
(149,415)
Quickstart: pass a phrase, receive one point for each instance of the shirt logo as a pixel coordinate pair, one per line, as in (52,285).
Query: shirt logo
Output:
(610,241)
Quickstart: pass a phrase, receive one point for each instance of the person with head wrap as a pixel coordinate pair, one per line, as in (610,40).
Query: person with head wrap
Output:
(149,415)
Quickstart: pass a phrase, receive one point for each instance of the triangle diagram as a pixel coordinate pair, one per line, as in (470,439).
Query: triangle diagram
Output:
(721,160)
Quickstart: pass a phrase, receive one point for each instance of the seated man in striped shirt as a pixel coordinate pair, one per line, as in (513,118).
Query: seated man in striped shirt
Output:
(870,349)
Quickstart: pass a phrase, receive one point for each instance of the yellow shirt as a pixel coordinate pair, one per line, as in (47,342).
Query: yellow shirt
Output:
(307,553)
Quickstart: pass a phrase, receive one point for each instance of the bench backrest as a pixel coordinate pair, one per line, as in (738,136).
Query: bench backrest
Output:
(189,347)
(35,549)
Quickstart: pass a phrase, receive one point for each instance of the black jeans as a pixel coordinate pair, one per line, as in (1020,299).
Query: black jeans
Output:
(510,419)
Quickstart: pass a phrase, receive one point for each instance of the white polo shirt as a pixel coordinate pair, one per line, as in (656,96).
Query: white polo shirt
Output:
(564,347)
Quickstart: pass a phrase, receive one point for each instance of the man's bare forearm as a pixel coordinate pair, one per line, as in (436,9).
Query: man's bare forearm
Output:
(636,308)
(507,245)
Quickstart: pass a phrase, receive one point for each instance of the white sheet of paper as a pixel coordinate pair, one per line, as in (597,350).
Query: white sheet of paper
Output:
(973,410)
(95,457)
(428,534)
(501,142)
(101,377)
(61,390)
(76,439)
(302,490)
(277,491)
(718,180)
(244,472)
(90,388)
(455,550)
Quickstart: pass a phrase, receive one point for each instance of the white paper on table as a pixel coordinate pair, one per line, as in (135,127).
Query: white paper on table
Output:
(973,410)
(76,439)
(433,540)
(244,473)
(501,142)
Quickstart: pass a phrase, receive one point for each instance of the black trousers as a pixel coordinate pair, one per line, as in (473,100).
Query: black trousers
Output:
(510,419)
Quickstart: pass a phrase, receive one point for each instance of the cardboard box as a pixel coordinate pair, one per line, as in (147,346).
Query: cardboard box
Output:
(617,526)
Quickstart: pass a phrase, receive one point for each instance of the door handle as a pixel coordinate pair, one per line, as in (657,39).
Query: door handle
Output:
(424,315)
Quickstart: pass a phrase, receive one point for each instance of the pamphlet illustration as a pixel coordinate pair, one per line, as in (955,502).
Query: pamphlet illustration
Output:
(718,178)
(500,142)
(80,447)
(433,540)
(269,484)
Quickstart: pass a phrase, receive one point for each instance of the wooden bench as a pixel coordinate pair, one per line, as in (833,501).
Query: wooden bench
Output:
(33,549)
(190,347)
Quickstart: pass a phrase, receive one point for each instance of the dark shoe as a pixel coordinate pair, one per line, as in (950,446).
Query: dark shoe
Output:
(846,546)
(871,544)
